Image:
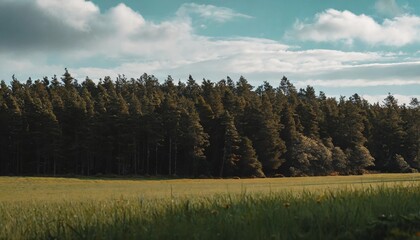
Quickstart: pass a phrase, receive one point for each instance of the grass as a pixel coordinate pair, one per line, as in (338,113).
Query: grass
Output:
(353,207)
(14,189)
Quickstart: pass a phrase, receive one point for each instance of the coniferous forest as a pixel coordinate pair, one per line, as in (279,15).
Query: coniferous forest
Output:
(59,126)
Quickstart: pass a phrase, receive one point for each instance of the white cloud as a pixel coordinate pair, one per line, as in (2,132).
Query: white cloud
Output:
(23,68)
(345,26)
(124,19)
(75,13)
(388,8)
(122,41)
(210,12)
(401,99)
(358,82)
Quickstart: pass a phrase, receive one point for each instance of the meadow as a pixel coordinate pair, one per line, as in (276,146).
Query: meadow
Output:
(337,207)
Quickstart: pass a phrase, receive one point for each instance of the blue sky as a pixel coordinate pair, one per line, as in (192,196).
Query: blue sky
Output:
(340,47)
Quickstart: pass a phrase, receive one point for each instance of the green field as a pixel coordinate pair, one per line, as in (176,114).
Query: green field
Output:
(346,207)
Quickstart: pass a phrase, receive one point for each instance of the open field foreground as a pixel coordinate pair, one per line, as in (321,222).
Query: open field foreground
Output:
(343,207)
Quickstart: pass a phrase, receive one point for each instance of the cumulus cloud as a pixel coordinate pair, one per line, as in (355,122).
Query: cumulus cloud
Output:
(37,41)
(388,8)
(75,13)
(27,25)
(73,31)
(124,19)
(334,25)
(210,12)
(80,27)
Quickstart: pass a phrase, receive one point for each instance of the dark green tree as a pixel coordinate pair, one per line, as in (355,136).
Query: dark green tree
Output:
(194,141)
(231,153)
(249,165)
(388,134)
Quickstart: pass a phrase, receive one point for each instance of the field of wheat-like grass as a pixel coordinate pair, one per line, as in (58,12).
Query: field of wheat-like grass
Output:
(350,207)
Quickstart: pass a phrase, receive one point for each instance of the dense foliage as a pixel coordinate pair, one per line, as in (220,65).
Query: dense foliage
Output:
(140,126)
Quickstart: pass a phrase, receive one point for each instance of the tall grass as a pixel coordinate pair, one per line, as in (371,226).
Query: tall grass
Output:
(340,214)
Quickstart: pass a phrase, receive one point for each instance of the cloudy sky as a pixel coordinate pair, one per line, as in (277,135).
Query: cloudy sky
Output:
(340,47)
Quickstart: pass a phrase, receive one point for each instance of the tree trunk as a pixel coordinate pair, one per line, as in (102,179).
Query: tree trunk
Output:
(135,155)
(38,159)
(170,156)
(175,157)
(54,167)
(87,161)
(223,162)
(147,160)
(156,158)
(18,170)
(144,150)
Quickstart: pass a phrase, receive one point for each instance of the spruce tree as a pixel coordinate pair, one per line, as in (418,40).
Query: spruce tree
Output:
(249,164)
(231,154)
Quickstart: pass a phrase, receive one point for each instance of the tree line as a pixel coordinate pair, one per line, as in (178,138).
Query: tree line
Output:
(58,126)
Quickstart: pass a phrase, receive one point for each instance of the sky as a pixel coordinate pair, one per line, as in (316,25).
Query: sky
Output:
(339,47)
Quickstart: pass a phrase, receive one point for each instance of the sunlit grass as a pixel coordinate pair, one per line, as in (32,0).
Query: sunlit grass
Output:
(300,208)
(73,189)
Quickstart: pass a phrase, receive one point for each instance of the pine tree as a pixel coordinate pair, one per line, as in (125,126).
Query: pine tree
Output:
(308,111)
(192,90)
(350,125)
(231,154)
(194,141)
(42,132)
(412,126)
(258,122)
(388,134)
(10,131)
(139,126)
(249,165)
(330,121)
(170,116)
